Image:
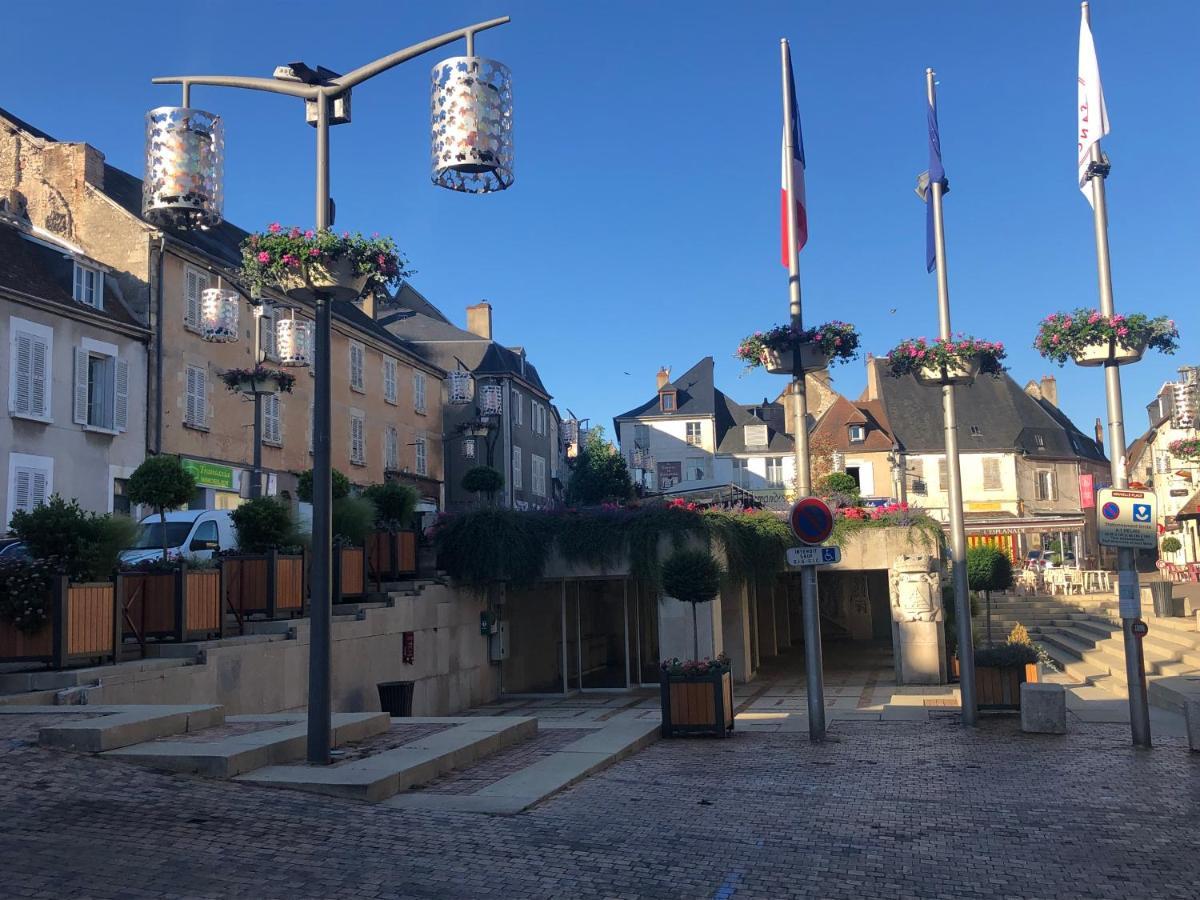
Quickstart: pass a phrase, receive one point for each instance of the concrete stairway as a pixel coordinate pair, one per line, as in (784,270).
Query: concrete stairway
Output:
(1083,635)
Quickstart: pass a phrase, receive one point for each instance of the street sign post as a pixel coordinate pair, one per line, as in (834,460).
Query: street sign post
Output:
(811,520)
(1126,519)
(813,556)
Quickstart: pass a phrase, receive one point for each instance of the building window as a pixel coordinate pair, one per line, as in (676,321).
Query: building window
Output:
(421,461)
(741,472)
(195,283)
(916,469)
(538,470)
(29,373)
(389,380)
(358,441)
(357,381)
(518,410)
(756,436)
(693,434)
(976,431)
(120,497)
(469,448)
(419,392)
(516,466)
(30,482)
(101,387)
(991,475)
(641,437)
(1039,441)
(88,286)
(858,434)
(697,468)
(391,449)
(1045,485)
(775,471)
(195,414)
(266,334)
(272,420)
(666,401)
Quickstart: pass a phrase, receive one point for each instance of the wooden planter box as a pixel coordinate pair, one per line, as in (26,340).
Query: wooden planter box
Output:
(391,555)
(999,687)
(84,627)
(349,573)
(267,584)
(183,605)
(697,704)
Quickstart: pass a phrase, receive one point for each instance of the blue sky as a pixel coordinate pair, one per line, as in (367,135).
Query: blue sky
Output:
(642,229)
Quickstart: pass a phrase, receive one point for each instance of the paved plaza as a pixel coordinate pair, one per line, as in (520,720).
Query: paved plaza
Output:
(885,808)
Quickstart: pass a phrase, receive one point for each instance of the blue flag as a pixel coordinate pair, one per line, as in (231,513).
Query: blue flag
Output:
(937,174)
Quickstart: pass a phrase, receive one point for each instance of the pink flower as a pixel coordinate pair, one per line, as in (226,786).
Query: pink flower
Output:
(1122,331)
(382,259)
(310,234)
(1055,339)
(264,257)
(294,233)
(345,234)
(1094,318)
(920,354)
(314,251)
(274,228)
(837,342)
(820,336)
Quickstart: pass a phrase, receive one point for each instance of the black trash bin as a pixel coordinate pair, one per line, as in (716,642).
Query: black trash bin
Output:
(395,698)
(1160,591)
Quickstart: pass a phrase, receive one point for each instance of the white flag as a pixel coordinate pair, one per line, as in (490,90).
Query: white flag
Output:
(1093,116)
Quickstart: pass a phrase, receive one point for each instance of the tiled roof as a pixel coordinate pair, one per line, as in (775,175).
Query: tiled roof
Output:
(694,394)
(834,425)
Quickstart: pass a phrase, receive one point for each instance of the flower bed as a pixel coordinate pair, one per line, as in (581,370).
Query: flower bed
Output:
(955,360)
(850,520)
(820,346)
(259,380)
(305,263)
(1092,339)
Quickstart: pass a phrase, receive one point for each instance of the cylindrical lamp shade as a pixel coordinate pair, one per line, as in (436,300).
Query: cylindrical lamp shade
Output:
(458,384)
(490,400)
(294,342)
(471,113)
(185,168)
(219,315)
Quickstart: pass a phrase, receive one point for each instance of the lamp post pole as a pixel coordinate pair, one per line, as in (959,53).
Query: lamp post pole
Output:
(256,476)
(322,95)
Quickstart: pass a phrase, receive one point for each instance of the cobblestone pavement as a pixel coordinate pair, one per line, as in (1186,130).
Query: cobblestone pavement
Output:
(881,810)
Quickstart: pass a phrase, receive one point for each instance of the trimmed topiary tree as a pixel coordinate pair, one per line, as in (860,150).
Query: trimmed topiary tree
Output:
(264,523)
(394,505)
(988,569)
(483,480)
(1171,544)
(162,483)
(304,486)
(692,576)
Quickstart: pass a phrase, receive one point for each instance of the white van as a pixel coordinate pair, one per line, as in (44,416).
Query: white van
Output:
(194,533)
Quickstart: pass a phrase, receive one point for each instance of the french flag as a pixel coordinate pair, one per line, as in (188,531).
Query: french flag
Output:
(796,160)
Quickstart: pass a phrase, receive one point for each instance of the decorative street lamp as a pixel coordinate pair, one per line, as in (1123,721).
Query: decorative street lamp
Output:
(294,341)
(459,387)
(219,308)
(473,153)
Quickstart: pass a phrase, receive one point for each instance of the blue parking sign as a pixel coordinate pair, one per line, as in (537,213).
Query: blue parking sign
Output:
(1141,512)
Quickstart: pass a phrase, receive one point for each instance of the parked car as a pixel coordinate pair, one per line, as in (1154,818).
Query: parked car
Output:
(194,533)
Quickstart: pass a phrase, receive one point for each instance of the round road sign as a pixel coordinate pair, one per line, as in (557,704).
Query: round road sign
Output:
(1110,511)
(811,520)
(1160,563)
(1139,628)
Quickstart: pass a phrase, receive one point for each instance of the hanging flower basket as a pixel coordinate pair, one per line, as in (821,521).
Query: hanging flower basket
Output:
(259,380)
(956,360)
(1186,449)
(1093,339)
(819,347)
(305,264)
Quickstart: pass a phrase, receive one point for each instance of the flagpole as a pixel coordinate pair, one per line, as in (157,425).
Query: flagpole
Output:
(1127,580)
(813,665)
(958,533)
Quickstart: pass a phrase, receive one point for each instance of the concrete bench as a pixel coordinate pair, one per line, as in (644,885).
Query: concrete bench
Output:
(1043,708)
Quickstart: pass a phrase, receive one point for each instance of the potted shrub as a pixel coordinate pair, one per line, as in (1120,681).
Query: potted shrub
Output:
(304,485)
(1092,339)
(306,263)
(1000,671)
(1186,449)
(162,483)
(266,574)
(988,569)
(697,694)
(483,480)
(955,360)
(259,380)
(392,545)
(818,347)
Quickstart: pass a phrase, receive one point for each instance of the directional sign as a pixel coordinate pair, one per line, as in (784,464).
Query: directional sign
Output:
(813,556)
(1126,519)
(811,520)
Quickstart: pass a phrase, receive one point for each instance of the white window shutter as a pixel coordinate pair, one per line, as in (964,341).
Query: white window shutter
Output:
(191,297)
(22,490)
(39,378)
(41,486)
(189,414)
(272,429)
(121,396)
(23,374)
(81,386)
(201,397)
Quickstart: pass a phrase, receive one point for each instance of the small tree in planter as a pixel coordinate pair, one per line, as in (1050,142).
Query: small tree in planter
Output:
(304,486)
(259,380)
(988,569)
(820,346)
(1171,544)
(692,576)
(1000,671)
(483,480)
(1092,338)
(264,524)
(394,505)
(162,483)
(954,360)
(1186,449)
(303,263)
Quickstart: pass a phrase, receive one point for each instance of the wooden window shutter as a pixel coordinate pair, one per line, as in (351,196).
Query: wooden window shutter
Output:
(121,396)
(80,404)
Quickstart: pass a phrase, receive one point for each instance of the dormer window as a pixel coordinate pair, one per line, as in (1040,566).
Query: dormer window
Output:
(666,401)
(88,286)
(858,434)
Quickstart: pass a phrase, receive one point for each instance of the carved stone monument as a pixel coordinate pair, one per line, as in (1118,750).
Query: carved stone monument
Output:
(918,638)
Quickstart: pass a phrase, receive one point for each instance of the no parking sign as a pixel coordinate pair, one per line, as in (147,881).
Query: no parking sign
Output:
(811,520)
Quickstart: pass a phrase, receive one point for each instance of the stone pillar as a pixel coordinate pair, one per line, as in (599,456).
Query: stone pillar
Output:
(919,641)
(735,628)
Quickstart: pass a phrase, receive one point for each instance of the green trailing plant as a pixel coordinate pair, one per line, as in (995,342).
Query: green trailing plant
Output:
(1171,544)
(988,569)
(262,524)
(353,519)
(269,257)
(304,485)
(25,592)
(483,480)
(489,545)
(838,340)
(692,576)
(919,354)
(85,546)
(234,378)
(163,483)
(1062,335)
(394,505)
(854,520)
(755,541)
(598,474)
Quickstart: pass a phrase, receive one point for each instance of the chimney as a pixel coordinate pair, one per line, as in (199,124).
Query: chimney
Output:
(479,319)
(82,163)
(1099,434)
(664,376)
(1050,390)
